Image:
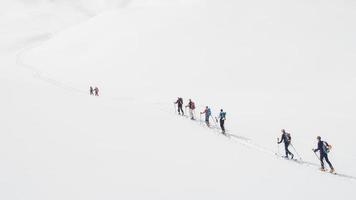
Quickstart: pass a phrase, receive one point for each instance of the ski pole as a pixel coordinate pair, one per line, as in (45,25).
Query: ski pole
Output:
(296,151)
(316,155)
(216,124)
(278,146)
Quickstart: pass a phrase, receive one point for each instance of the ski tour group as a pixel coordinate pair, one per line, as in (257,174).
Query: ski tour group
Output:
(322,147)
(94,91)
(207,113)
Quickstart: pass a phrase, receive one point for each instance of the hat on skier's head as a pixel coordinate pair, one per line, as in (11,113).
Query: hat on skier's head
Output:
(283,131)
(319,138)
(221,110)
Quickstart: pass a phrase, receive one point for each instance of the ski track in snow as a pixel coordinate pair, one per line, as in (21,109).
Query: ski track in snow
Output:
(247,142)
(37,74)
(242,140)
(39,41)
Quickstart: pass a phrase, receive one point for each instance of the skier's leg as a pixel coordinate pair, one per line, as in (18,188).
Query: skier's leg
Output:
(222,125)
(290,153)
(286,149)
(207,121)
(179,109)
(322,160)
(328,161)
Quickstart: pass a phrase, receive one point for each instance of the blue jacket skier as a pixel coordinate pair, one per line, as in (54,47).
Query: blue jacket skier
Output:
(207,113)
(179,102)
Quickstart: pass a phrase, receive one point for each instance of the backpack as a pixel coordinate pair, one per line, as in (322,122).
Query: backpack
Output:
(326,147)
(192,105)
(223,115)
(209,112)
(289,137)
(180,101)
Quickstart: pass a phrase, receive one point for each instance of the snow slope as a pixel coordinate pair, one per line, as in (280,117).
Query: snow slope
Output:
(271,65)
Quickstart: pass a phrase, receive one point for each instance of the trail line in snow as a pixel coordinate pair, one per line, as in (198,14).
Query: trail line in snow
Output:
(37,74)
(249,143)
(242,140)
(245,141)
(47,78)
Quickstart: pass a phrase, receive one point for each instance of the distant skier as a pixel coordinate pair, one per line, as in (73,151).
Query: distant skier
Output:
(222,118)
(324,148)
(91,90)
(191,106)
(96,90)
(179,102)
(207,113)
(286,138)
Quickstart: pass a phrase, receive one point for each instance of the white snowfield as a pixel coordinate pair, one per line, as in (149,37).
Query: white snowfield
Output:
(269,64)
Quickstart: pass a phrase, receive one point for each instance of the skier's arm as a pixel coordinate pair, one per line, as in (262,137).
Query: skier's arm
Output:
(282,138)
(318,148)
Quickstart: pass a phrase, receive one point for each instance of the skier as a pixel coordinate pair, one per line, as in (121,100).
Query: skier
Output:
(323,148)
(286,138)
(207,113)
(96,90)
(180,105)
(191,106)
(91,90)
(222,118)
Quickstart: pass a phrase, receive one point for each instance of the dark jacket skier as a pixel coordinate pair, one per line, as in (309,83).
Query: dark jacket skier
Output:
(286,138)
(179,102)
(222,118)
(323,148)
(91,90)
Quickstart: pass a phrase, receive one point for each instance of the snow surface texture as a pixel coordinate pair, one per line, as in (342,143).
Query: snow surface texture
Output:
(270,65)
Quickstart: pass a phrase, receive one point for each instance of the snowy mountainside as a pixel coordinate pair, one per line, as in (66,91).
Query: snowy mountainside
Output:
(265,63)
